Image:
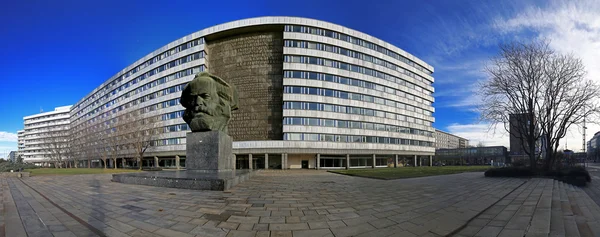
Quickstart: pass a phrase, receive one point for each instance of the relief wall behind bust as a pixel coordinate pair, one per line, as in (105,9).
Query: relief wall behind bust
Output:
(253,62)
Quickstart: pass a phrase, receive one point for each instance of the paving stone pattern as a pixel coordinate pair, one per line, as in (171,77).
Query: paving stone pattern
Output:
(593,188)
(541,207)
(273,203)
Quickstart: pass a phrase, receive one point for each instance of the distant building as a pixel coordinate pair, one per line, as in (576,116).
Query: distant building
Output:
(445,140)
(12,156)
(473,155)
(518,124)
(43,133)
(593,147)
(21,142)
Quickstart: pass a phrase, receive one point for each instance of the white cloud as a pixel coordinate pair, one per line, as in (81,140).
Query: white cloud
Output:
(489,135)
(8,137)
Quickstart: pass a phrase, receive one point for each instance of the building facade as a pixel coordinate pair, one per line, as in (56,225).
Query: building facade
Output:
(312,95)
(593,148)
(473,156)
(444,140)
(518,130)
(20,142)
(12,156)
(45,136)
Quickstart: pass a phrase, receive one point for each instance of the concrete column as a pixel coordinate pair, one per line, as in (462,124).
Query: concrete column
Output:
(177,162)
(347,161)
(266,161)
(250,161)
(396,161)
(282,161)
(318,161)
(415,160)
(373,161)
(123,162)
(156,162)
(234,161)
(286,161)
(430,160)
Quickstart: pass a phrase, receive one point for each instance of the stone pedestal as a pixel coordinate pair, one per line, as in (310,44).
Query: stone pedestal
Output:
(209,151)
(209,166)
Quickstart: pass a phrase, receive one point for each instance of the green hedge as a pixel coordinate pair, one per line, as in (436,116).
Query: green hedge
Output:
(8,166)
(577,176)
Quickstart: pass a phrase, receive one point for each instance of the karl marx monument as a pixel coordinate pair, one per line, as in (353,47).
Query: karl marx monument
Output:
(210,164)
(208,102)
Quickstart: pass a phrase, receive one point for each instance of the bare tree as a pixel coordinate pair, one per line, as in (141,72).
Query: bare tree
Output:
(138,132)
(99,145)
(55,141)
(542,91)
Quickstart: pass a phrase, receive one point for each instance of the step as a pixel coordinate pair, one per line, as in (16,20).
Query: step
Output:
(571,228)
(557,226)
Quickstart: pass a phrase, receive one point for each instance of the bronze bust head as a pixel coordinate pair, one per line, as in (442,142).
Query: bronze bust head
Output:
(208,102)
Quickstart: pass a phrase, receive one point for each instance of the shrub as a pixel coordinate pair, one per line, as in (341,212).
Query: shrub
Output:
(8,166)
(508,172)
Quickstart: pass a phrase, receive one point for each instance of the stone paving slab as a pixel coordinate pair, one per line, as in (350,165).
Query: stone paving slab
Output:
(273,203)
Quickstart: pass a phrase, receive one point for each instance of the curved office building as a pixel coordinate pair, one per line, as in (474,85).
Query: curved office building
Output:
(312,94)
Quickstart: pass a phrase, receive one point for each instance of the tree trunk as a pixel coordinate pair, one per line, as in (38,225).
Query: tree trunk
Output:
(89,163)
(115,163)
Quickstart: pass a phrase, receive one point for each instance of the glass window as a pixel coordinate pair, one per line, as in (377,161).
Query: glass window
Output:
(329,123)
(327,107)
(312,121)
(311,137)
(355,124)
(296,121)
(294,136)
(328,138)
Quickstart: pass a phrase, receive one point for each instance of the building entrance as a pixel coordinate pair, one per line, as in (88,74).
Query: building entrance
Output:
(304,164)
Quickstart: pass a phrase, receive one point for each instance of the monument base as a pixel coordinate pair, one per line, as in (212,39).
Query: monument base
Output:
(186,179)
(210,165)
(210,152)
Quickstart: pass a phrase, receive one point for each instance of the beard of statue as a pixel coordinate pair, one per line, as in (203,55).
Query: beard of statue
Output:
(210,118)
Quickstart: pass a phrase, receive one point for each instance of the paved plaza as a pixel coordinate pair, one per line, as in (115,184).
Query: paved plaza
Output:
(287,203)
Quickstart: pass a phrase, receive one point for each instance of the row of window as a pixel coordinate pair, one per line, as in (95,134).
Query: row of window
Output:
(356,41)
(54,128)
(172,115)
(162,105)
(353,54)
(153,107)
(354,68)
(353,82)
(353,124)
(353,139)
(151,61)
(51,122)
(169,141)
(176,128)
(179,61)
(44,117)
(163,55)
(353,110)
(159,81)
(352,96)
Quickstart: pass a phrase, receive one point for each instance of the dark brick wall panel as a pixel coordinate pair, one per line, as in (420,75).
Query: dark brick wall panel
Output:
(253,62)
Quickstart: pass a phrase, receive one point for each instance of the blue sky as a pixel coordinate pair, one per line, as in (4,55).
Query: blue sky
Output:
(55,52)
